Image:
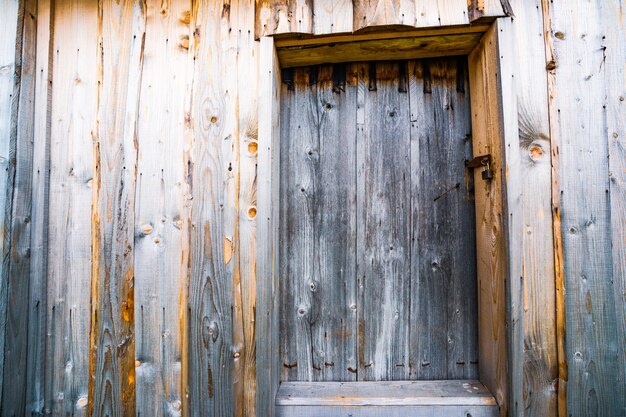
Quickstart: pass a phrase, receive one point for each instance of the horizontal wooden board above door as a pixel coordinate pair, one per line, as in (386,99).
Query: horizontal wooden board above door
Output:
(378,46)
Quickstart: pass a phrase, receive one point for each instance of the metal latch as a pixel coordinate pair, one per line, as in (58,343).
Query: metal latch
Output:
(481,161)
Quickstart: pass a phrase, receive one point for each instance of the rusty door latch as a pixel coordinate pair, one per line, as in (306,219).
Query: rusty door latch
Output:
(481,161)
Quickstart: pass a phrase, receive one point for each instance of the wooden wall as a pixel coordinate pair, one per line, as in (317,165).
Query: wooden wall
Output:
(128,146)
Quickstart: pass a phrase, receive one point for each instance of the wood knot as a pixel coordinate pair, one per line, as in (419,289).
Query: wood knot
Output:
(535,151)
(185,17)
(183,41)
(253,147)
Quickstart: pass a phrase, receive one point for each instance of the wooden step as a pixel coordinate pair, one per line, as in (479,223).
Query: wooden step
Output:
(462,398)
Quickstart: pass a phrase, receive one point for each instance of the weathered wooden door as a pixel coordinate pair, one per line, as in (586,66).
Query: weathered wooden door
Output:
(378,265)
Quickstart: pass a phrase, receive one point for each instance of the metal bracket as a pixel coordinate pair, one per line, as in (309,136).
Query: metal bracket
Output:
(481,161)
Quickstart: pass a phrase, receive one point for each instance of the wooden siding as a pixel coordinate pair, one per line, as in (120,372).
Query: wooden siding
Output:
(589,90)
(74,82)
(322,17)
(534,369)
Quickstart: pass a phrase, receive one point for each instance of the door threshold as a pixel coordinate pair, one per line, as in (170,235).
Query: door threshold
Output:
(445,398)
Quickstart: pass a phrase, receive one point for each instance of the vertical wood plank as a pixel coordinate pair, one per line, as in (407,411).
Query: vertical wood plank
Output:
(533,350)
(490,219)
(582,84)
(383,240)
(161,209)
(13,395)
(443,282)
(379,12)
(268,223)
(9,95)
(332,16)
(334,294)
(488,9)
(318,185)
(215,377)
(441,13)
(74,108)
(613,15)
(298,210)
(245,244)
(37,315)
(283,16)
(121,29)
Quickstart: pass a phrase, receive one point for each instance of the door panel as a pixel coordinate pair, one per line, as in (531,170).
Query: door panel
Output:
(378,274)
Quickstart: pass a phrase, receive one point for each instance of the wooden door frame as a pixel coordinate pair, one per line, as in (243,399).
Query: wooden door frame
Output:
(489,136)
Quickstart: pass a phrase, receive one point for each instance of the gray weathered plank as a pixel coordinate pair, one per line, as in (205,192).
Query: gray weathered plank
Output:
(121,32)
(384,393)
(10,34)
(37,315)
(383,237)
(74,108)
(268,257)
(581,99)
(318,141)
(161,208)
(334,296)
(300,194)
(443,315)
(13,395)
(613,15)
(534,364)
(389,411)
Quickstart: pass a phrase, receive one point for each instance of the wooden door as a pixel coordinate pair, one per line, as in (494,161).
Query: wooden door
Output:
(377,235)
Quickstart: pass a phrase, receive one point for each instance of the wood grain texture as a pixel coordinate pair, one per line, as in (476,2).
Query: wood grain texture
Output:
(321,17)
(430,13)
(13,395)
(37,314)
(246,243)
(268,255)
(443,317)
(10,24)
(559,273)
(214,342)
(379,49)
(283,16)
(487,131)
(383,227)
(160,223)
(534,366)
(121,28)
(613,14)
(429,331)
(388,411)
(488,9)
(385,393)
(582,100)
(332,16)
(74,108)
(318,291)
(299,207)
